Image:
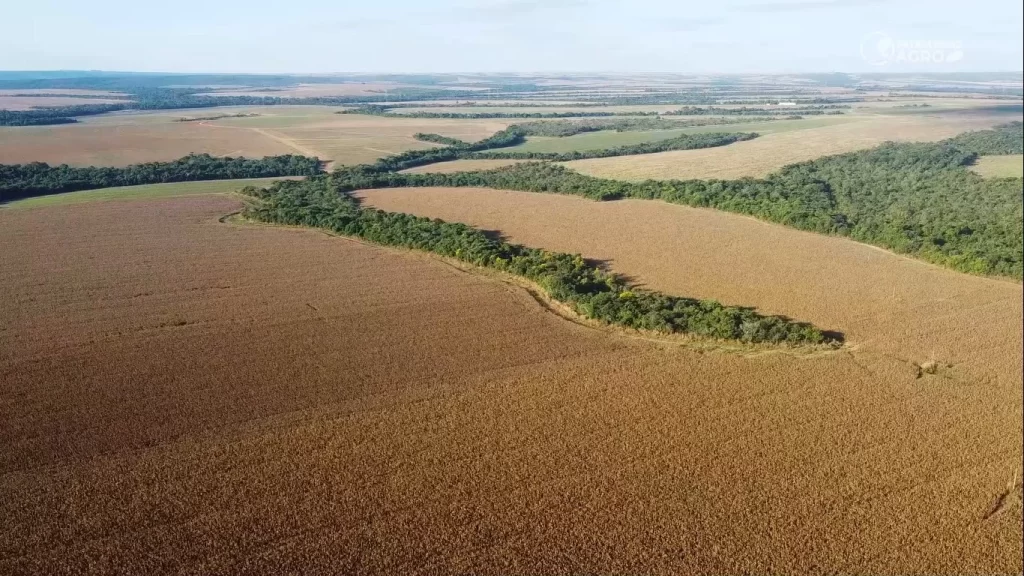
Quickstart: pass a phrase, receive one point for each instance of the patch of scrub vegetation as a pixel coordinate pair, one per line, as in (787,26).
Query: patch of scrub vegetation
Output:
(324,202)
(913,198)
(38,178)
(1005,166)
(143,192)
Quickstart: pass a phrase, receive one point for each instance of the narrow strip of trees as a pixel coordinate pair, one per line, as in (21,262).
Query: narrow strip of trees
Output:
(324,202)
(39,178)
(683,142)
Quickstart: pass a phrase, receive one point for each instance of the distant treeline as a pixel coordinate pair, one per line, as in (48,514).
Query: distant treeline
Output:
(215,117)
(324,202)
(386,111)
(704,97)
(563,128)
(175,99)
(111,96)
(746,111)
(912,198)
(54,114)
(38,178)
(682,142)
(146,95)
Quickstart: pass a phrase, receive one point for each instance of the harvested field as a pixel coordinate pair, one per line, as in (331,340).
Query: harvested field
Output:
(128,138)
(764,155)
(102,144)
(465,165)
(1008,166)
(183,395)
(143,192)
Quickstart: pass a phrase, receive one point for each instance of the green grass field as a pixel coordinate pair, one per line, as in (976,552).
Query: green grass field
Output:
(610,138)
(1008,166)
(144,192)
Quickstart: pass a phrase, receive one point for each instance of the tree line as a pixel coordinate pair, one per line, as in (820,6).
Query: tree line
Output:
(457,149)
(682,142)
(833,109)
(39,178)
(215,117)
(50,115)
(383,110)
(563,128)
(324,202)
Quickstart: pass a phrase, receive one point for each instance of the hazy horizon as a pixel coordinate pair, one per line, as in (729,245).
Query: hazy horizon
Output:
(518,37)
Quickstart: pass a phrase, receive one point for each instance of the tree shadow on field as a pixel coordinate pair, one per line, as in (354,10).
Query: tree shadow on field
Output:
(603,265)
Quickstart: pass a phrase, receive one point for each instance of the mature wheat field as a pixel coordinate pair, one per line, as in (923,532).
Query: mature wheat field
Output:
(199,396)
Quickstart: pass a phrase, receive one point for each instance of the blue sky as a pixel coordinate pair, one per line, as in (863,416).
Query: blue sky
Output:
(314,36)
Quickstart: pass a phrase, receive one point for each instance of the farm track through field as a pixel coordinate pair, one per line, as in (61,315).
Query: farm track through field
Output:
(291,143)
(181,395)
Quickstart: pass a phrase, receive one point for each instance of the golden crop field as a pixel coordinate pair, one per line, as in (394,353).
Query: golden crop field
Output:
(775,149)
(129,138)
(343,408)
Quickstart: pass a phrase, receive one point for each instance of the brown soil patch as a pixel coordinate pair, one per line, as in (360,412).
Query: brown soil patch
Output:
(181,395)
(762,156)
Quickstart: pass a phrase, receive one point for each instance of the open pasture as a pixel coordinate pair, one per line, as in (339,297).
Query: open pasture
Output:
(610,138)
(203,396)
